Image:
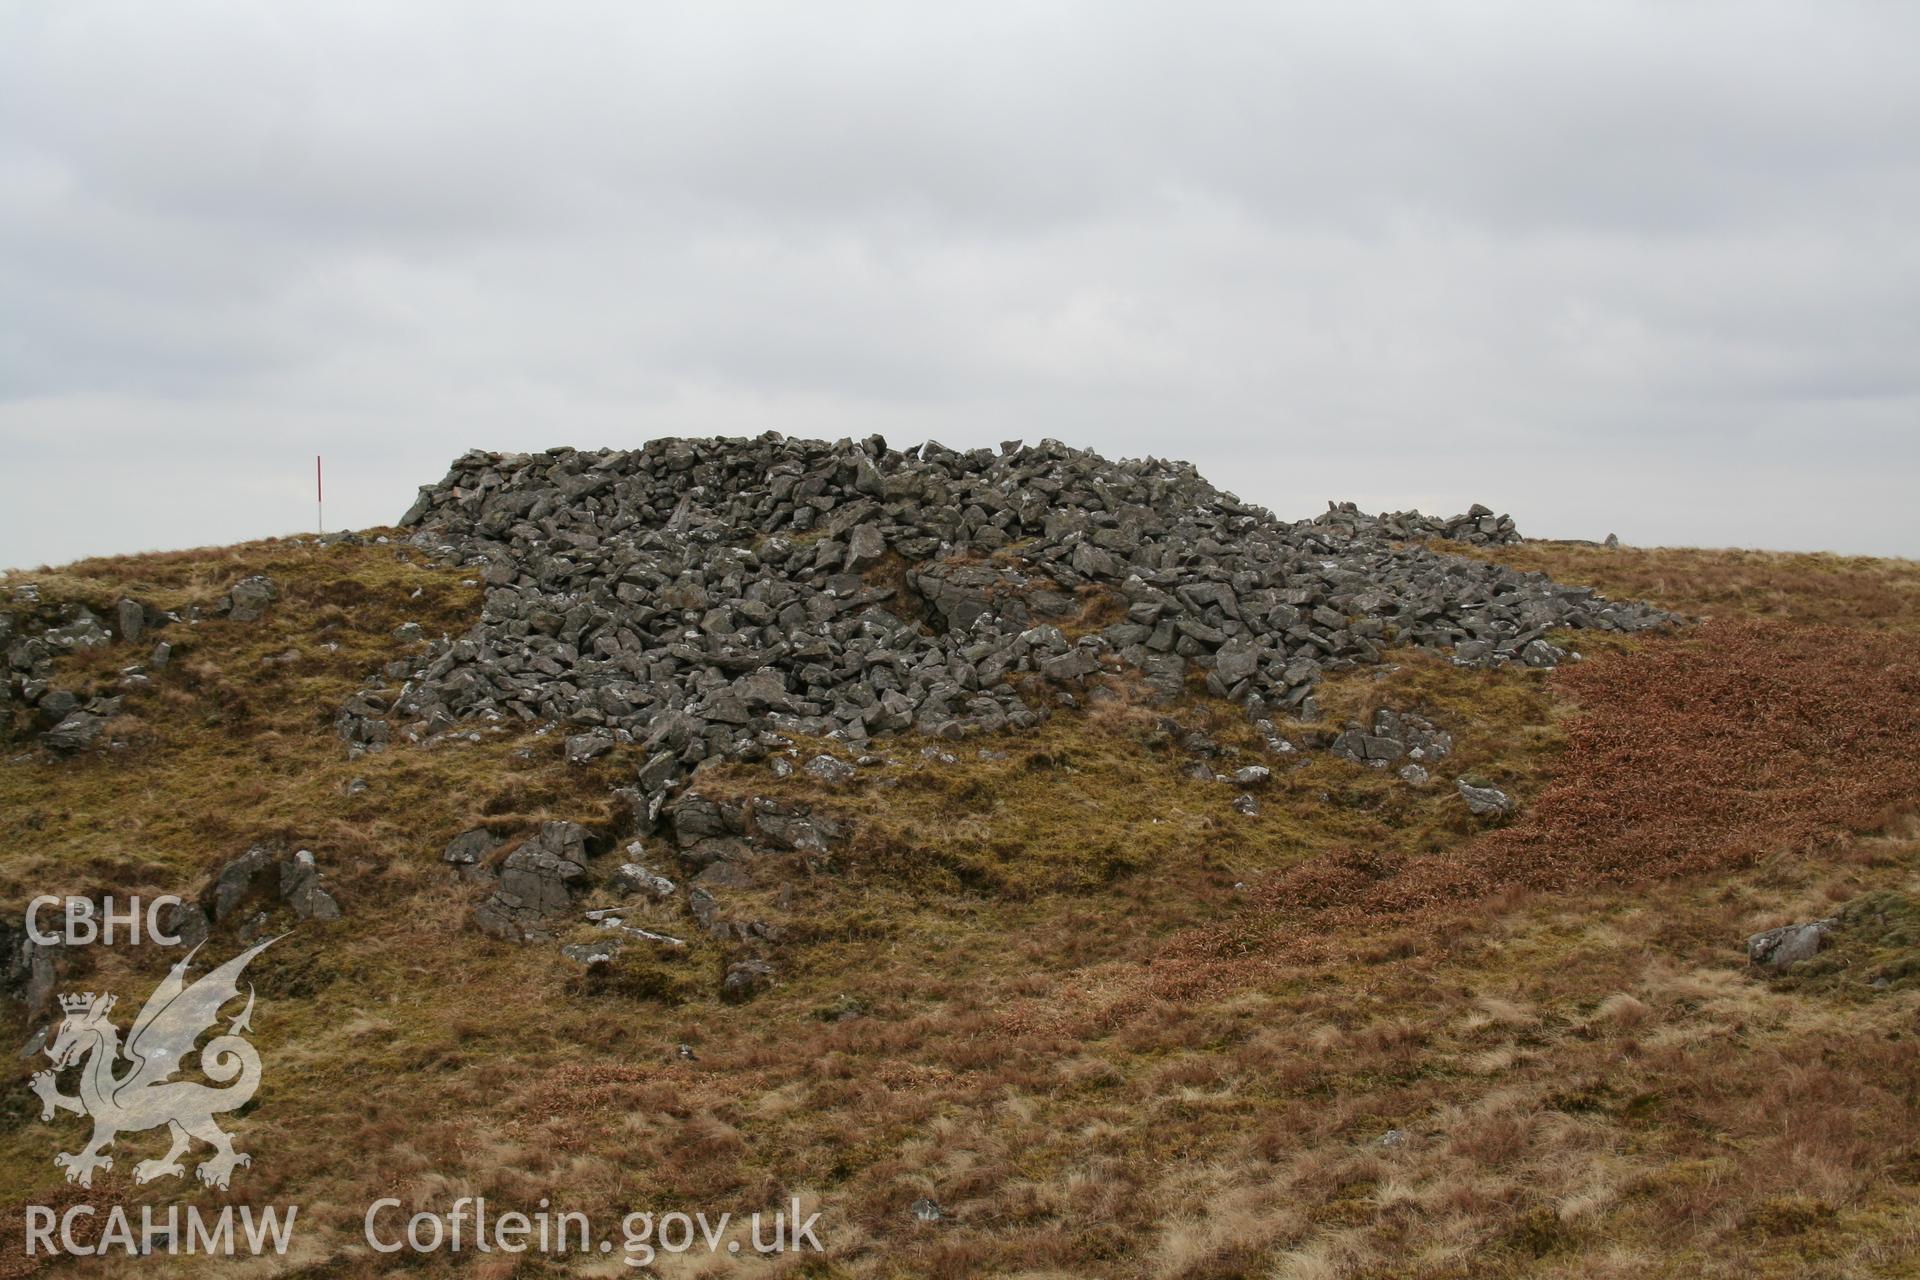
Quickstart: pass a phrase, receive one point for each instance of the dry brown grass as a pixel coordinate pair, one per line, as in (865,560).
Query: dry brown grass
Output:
(1800,587)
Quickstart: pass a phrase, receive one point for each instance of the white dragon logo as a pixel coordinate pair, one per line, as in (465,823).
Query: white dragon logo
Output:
(163,1035)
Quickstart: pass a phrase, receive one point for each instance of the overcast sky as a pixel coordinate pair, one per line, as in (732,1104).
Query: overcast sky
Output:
(1651,269)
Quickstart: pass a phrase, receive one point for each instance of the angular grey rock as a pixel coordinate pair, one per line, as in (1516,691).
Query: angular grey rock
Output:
(1165,673)
(1093,562)
(645,935)
(1236,662)
(705,911)
(254,885)
(786,826)
(29,971)
(300,888)
(598,952)
(745,979)
(765,689)
(187,922)
(722,873)
(82,631)
(130,620)
(657,772)
(866,546)
(250,597)
(697,819)
(582,747)
(253,872)
(76,732)
(1074,664)
(1538,653)
(538,881)
(1775,949)
(470,847)
(1413,775)
(636,877)
(58,702)
(829,769)
(1484,801)
(1374,747)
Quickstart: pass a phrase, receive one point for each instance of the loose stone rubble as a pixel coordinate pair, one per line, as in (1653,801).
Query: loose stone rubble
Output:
(1478,526)
(706,598)
(268,887)
(251,888)
(1393,736)
(34,637)
(539,887)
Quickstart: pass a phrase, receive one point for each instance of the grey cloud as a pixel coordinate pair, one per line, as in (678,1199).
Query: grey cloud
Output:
(1637,266)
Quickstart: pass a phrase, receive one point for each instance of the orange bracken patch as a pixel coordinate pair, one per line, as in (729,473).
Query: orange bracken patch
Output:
(1741,740)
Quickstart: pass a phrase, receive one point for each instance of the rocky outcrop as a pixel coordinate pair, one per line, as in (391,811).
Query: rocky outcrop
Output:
(29,971)
(249,890)
(542,889)
(77,730)
(248,599)
(1393,737)
(745,979)
(1776,949)
(1485,802)
(471,852)
(34,636)
(538,884)
(33,639)
(704,599)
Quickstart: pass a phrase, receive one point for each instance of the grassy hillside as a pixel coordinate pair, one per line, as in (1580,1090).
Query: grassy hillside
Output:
(1059,986)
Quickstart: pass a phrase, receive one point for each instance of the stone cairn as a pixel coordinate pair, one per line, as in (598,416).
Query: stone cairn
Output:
(704,599)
